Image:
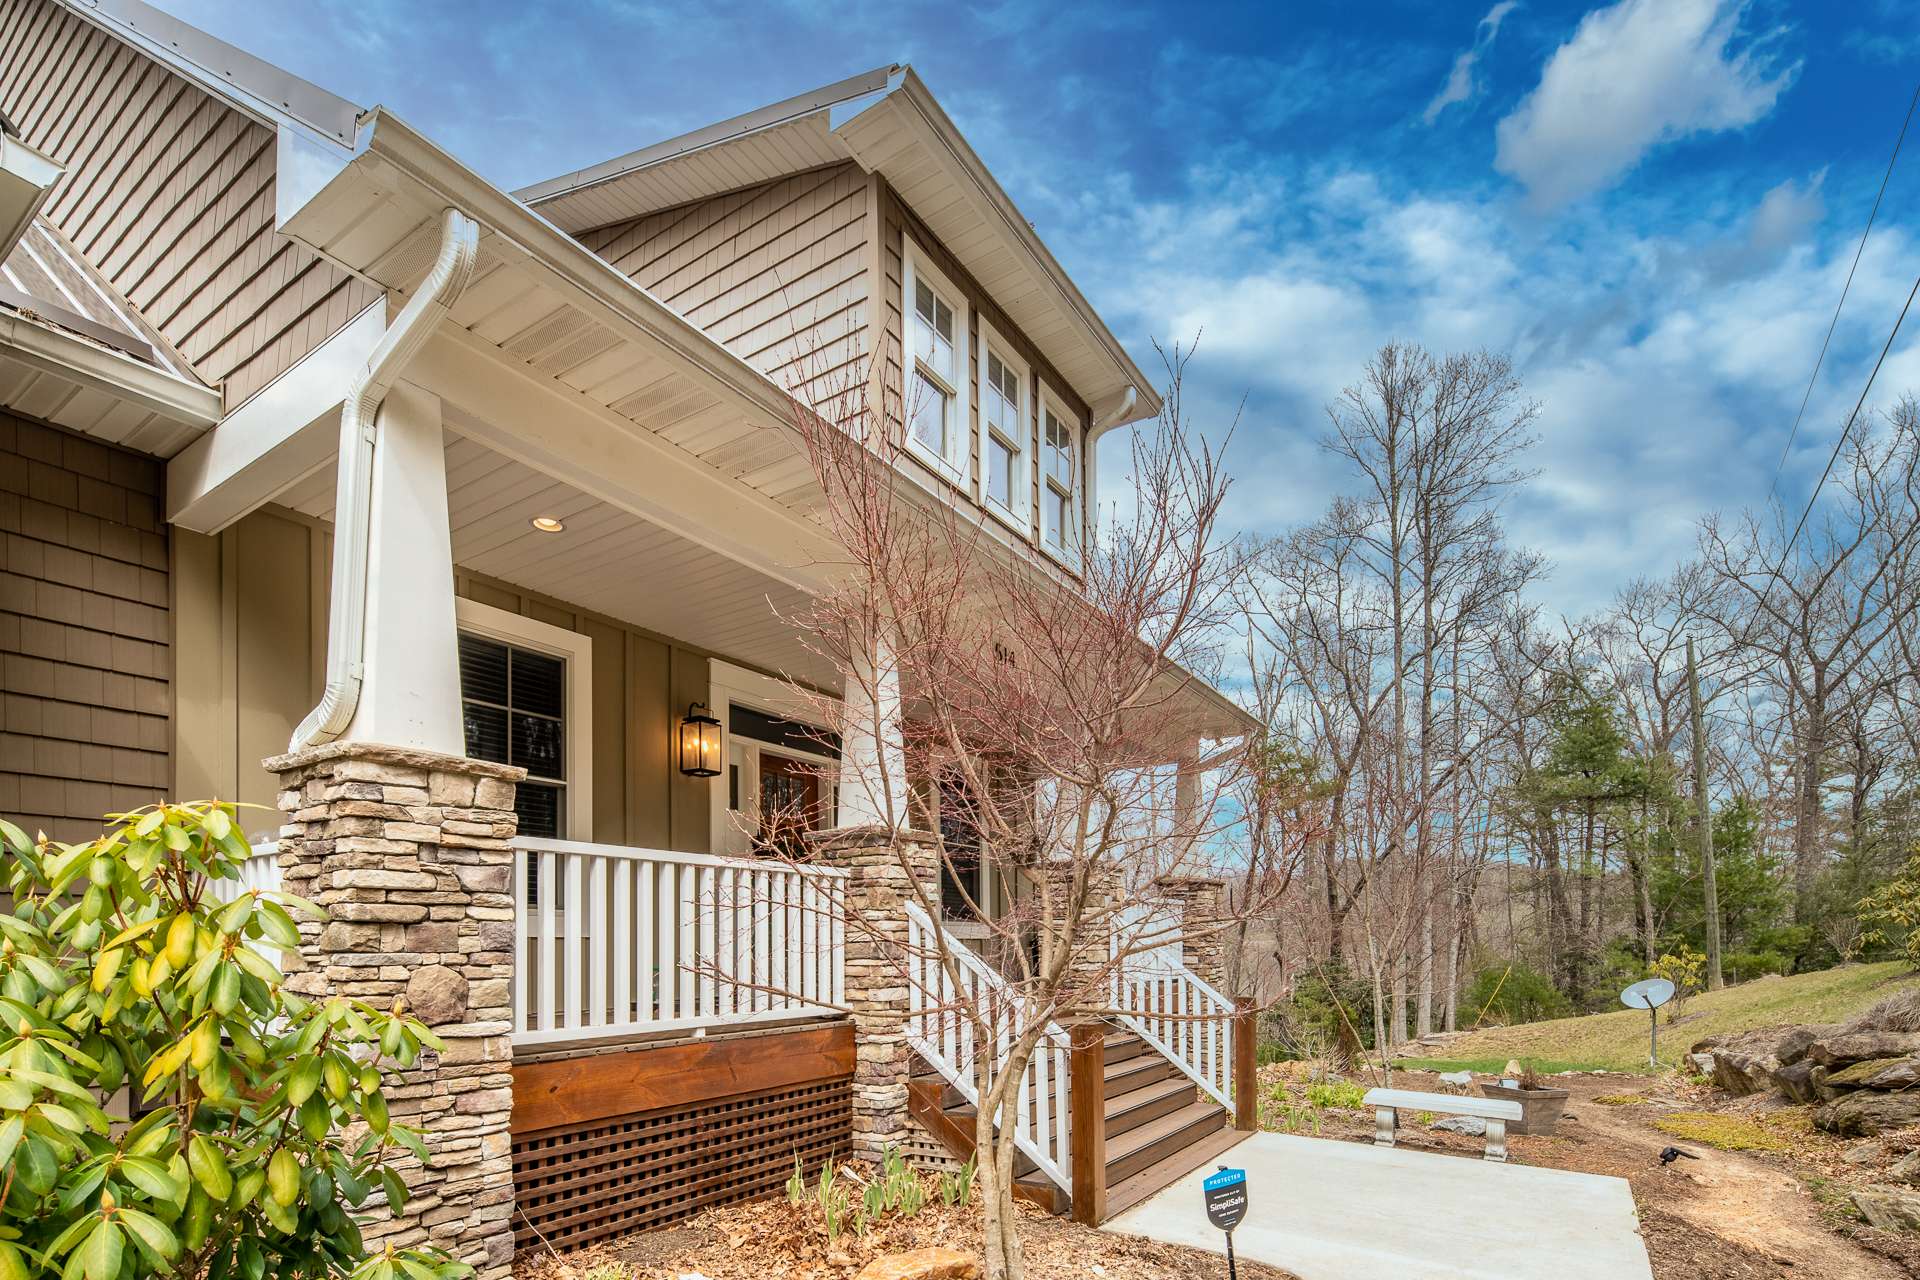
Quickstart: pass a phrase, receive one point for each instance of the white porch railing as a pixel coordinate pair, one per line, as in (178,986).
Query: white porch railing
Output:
(939,1031)
(260,871)
(612,940)
(1189,1022)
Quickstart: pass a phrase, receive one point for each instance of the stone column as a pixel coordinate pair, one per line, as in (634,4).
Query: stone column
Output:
(1089,968)
(1203,910)
(880,866)
(409,853)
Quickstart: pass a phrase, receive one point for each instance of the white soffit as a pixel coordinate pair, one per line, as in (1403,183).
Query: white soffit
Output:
(605,560)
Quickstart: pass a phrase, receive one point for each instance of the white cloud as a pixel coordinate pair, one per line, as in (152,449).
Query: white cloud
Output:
(1461,85)
(1668,366)
(1633,76)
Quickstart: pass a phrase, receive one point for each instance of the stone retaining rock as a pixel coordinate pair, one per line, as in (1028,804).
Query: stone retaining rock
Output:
(1846,1048)
(1745,1061)
(1865,1112)
(1889,1208)
(922,1264)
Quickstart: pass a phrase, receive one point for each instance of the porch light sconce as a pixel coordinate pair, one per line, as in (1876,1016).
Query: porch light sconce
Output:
(699,743)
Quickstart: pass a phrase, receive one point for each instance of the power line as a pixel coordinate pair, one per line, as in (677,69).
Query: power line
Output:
(1844,290)
(1845,431)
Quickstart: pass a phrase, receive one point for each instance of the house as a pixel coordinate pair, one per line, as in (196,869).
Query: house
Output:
(339,481)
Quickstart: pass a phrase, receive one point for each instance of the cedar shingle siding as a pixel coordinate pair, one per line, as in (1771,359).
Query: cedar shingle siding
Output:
(84,660)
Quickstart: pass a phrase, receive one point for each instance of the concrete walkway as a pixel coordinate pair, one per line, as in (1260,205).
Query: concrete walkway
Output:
(1331,1210)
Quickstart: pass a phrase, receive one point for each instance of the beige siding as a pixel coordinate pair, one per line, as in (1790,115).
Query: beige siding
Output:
(84,658)
(780,273)
(896,222)
(170,193)
(250,609)
(642,684)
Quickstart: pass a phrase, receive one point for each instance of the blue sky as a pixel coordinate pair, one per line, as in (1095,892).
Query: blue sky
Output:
(1651,203)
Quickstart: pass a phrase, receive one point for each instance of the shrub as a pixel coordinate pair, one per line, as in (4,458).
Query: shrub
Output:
(1504,994)
(1341,1095)
(121,966)
(1686,970)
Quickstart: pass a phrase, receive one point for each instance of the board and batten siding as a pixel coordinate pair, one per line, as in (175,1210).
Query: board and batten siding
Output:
(896,222)
(169,193)
(84,660)
(251,634)
(780,273)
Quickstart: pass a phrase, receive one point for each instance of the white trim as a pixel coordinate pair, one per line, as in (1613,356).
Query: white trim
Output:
(1076,532)
(914,264)
(577,651)
(1018,516)
(727,683)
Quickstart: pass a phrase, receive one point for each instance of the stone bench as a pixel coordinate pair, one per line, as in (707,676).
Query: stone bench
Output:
(1388,1103)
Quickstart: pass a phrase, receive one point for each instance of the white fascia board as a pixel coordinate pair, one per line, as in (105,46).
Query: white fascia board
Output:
(26,178)
(282,433)
(111,372)
(563,434)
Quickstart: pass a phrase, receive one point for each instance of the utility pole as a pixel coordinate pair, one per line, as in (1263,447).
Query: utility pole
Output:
(1704,818)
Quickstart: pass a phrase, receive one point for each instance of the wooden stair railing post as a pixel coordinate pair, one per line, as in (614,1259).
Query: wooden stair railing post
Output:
(1246,1043)
(1087,1127)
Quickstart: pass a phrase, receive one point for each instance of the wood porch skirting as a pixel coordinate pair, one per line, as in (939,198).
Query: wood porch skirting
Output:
(616,1142)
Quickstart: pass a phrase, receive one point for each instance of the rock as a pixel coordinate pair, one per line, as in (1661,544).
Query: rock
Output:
(1702,1063)
(1888,1207)
(1461,1079)
(1744,1062)
(1865,1112)
(1906,1169)
(1471,1126)
(1796,1081)
(1846,1048)
(1514,1069)
(1863,1153)
(437,995)
(922,1264)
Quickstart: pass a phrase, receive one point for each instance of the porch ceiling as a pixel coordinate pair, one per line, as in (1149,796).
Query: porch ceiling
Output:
(607,560)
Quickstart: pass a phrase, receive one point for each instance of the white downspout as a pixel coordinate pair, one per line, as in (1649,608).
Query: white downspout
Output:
(353,502)
(1128,398)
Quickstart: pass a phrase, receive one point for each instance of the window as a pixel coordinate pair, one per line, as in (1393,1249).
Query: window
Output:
(936,329)
(526,699)
(513,703)
(1004,432)
(1060,483)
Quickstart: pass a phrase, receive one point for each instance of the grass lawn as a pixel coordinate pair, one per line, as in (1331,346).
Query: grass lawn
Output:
(1617,1041)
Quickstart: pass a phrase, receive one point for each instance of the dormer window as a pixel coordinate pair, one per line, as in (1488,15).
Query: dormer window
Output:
(1059,482)
(1005,431)
(936,328)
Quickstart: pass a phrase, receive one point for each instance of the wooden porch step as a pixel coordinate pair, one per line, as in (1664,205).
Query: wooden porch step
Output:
(1141,1148)
(1124,1195)
(1136,1072)
(1130,1110)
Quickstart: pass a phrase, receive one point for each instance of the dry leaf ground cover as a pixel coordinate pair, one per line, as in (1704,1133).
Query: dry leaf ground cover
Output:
(774,1239)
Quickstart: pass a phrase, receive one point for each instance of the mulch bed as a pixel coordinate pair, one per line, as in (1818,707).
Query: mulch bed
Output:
(773,1238)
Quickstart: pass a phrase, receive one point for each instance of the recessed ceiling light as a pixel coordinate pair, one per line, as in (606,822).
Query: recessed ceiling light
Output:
(547,524)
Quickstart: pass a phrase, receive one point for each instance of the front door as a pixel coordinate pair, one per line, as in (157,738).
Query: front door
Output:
(789,803)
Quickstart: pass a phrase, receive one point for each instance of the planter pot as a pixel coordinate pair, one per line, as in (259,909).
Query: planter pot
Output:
(1539,1108)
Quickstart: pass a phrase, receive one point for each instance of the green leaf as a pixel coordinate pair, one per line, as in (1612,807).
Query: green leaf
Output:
(151,1231)
(12,1265)
(209,1167)
(151,1177)
(101,1252)
(278,925)
(235,914)
(303,1080)
(396,1190)
(226,988)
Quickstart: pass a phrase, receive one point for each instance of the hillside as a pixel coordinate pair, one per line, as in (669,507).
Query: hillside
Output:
(1617,1041)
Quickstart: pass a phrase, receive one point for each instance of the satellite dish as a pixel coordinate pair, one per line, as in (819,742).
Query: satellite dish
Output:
(1650,993)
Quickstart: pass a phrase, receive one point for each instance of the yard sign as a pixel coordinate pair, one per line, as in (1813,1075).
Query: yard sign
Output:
(1226,1195)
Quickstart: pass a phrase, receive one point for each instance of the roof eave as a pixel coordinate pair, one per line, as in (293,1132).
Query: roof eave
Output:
(26,179)
(1013,227)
